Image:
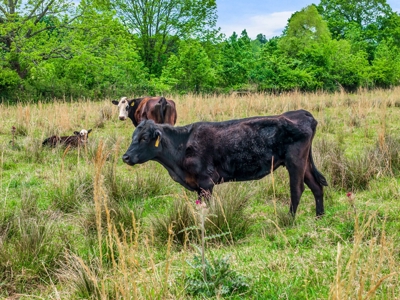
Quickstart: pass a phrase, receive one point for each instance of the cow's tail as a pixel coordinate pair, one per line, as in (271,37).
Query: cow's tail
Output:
(317,174)
(163,104)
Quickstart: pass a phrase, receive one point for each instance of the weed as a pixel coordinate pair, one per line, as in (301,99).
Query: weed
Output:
(211,278)
(219,280)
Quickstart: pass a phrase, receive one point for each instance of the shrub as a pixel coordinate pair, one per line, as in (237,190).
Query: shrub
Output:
(227,219)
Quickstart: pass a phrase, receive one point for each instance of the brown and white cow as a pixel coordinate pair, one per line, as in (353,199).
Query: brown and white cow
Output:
(78,139)
(158,109)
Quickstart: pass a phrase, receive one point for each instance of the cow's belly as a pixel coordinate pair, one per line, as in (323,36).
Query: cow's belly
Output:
(247,173)
(242,170)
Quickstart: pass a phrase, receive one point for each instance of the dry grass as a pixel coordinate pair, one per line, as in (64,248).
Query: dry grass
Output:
(63,117)
(371,263)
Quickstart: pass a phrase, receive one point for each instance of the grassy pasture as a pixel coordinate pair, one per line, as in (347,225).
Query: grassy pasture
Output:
(80,224)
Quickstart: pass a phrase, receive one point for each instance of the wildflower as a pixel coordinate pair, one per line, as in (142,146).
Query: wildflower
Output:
(350,195)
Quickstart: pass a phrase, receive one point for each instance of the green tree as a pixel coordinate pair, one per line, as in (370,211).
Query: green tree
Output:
(304,41)
(276,72)
(365,22)
(160,24)
(306,58)
(103,61)
(190,70)
(236,60)
(385,70)
(261,38)
(30,31)
(347,69)
(305,29)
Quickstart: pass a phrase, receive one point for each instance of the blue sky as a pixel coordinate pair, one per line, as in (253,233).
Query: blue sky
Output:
(262,16)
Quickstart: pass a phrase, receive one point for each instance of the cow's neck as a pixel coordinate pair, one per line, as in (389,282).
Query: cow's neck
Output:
(174,143)
(132,110)
(131,115)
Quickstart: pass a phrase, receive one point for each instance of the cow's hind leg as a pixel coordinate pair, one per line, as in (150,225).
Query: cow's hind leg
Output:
(296,178)
(168,114)
(316,189)
(158,114)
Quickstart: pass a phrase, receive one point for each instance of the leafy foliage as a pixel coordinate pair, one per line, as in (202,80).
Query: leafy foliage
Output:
(189,70)
(160,24)
(101,48)
(220,279)
(366,23)
(236,60)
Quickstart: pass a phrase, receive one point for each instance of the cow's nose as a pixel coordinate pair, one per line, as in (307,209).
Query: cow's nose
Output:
(122,118)
(125,158)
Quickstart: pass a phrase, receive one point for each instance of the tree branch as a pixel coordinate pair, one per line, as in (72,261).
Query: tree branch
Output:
(3,11)
(33,11)
(39,17)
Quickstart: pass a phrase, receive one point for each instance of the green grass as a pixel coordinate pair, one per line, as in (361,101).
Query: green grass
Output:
(82,224)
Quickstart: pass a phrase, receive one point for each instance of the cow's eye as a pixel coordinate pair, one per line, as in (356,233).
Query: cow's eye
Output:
(143,139)
(127,107)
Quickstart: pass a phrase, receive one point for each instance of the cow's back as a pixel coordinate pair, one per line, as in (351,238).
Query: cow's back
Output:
(243,149)
(72,141)
(142,111)
(158,109)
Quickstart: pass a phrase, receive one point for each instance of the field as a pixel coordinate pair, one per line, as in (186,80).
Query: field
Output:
(81,224)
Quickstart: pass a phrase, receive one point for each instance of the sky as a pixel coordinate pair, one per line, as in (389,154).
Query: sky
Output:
(263,16)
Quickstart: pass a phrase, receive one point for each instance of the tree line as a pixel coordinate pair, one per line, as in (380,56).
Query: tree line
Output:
(110,48)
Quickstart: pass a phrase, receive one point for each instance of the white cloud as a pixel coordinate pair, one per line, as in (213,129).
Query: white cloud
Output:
(269,24)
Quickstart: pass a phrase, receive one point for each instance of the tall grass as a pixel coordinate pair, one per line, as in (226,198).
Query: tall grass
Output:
(355,173)
(81,224)
(227,219)
(125,266)
(369,270)
(31,246)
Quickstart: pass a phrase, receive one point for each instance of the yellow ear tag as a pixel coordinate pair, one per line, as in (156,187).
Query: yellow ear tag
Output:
(157,141)
(133,103)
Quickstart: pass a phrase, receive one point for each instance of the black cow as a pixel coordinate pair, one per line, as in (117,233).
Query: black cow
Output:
(203,154)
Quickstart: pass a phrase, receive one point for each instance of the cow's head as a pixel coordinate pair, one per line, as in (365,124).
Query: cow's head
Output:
(146,143)
(123,107)
(83,135)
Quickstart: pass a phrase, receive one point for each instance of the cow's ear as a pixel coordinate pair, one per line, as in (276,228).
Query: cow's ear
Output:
(76,132)
(89,131)
(157,134)
(115,102)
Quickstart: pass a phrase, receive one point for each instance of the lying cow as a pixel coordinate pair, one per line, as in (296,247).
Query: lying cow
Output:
(203,154)
(158,109)
(78,139)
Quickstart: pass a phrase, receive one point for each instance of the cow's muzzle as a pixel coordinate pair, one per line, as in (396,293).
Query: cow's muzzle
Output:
(122,118)
(126,159)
